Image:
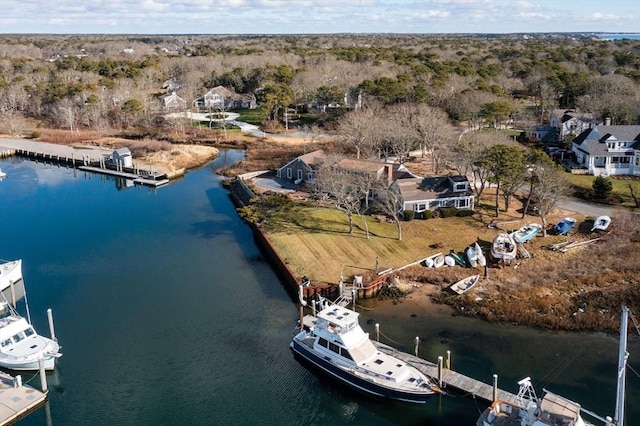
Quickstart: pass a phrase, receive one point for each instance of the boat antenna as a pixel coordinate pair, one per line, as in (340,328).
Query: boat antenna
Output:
(623,355)
(26,305)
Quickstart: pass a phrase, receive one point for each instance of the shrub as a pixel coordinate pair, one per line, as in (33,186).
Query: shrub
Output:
(427,214)
(409,215)
(448,211)
(464,213)
(602,187)
(35,134)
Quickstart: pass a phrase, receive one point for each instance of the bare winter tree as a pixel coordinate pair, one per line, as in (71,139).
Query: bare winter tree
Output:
(435,134)
(613,96)
(358,130)
(388,202)
(551,187)
(343,189)
(67,113)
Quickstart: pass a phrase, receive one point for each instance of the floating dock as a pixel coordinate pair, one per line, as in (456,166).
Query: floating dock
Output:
(448,378)
(17,401)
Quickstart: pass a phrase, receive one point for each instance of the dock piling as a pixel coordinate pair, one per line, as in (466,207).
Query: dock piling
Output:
(417,344)
(495,387)
(43,376)
(448,365)
(51,329)
(377,332)
(440,371)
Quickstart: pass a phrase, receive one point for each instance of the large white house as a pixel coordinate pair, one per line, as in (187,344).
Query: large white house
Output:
(609,150)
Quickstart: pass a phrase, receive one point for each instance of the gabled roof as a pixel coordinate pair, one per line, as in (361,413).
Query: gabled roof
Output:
(600,134)
(313,158)
(429,188)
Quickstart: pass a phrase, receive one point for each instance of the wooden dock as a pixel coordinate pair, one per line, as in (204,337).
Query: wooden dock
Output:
(136,178)
(90,159)
(17,401)
(452,379)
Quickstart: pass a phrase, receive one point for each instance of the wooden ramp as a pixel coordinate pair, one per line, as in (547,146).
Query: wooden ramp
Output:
(17,402)
(451,379)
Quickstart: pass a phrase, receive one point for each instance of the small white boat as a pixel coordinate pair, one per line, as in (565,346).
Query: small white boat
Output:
(429,262)
(526,233)
(464,284)
(504,247)
(2,174)
(449,260)
(20,345)
(337,345)
(601,223)
(10,273)
(472,256)
(438,261)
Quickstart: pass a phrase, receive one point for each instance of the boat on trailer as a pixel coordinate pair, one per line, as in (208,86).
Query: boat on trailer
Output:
(552,409)
(336,344)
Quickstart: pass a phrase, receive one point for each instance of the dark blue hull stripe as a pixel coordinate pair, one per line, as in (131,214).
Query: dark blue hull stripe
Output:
(355,381)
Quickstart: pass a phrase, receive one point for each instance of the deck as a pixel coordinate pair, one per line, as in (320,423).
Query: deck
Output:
(452,379)
(17,402)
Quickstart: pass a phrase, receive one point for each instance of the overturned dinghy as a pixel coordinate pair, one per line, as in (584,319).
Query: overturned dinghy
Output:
(601,223)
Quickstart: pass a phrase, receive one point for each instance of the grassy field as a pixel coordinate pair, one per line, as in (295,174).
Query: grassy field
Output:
(620,187)
(316,241)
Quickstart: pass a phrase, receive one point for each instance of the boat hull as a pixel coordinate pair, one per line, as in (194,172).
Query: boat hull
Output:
(29,364)
(356,382)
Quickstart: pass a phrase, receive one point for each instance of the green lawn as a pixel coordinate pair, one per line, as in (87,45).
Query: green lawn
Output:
(316,242)
(251,116)
(620,186)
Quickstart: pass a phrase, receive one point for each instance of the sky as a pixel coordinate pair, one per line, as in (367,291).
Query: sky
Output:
(317,16)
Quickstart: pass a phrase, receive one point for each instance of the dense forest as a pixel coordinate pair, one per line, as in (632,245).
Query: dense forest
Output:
(109,83)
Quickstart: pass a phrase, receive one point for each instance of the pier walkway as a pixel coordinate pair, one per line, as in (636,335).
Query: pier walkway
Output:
(17,401)
(88,158)
(451,379)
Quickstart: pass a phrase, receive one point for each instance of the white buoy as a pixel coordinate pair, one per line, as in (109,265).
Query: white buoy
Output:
(51,329)
(43,376)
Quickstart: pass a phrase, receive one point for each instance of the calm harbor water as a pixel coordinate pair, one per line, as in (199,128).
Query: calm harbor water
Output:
(168,314)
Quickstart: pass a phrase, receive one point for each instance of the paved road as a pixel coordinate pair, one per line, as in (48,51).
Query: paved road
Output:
(588,209)
(230,117)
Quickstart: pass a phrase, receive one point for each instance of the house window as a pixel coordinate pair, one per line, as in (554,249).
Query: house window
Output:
(289,173)
(300,174)
(460,187)
(463,203)
(419,207)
